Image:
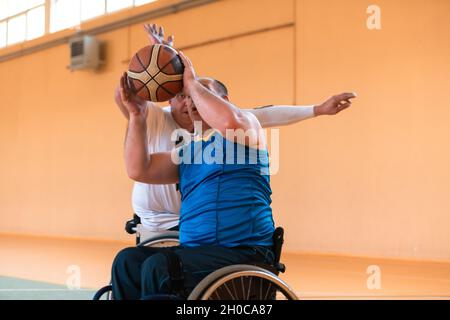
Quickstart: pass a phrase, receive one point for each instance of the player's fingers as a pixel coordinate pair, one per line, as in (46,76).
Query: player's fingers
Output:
(183,58)
(342,102)
(345,96)
(122,88)
(187,60)
(343,107)
(170,39)
(127,85)
(122,81)
(161,31)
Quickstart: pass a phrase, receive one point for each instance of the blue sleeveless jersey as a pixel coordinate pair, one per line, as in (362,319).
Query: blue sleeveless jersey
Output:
(225,194)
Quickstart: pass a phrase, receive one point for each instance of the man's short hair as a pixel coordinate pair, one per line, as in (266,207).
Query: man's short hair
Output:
(220,88)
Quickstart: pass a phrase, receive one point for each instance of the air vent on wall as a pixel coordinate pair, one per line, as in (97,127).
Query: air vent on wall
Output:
(84,53)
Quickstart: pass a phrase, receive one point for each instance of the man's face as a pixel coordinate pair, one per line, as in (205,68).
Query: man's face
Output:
(180,113)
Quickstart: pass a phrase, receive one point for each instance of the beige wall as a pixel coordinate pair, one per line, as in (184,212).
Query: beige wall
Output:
(372,181)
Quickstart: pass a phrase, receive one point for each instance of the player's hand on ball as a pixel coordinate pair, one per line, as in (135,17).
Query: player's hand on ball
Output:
(135,105)
(335,104)
(189,76)
(156,35)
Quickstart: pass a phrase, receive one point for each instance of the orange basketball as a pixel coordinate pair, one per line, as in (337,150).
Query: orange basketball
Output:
(156,73)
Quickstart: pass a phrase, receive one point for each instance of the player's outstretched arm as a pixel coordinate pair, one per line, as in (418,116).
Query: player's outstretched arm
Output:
(282,115)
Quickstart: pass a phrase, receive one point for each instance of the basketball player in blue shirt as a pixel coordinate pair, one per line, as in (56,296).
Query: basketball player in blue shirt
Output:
(225,213)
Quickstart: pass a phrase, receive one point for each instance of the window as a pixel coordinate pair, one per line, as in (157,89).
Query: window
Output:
(64,14)
(3,9)
(115,5)
(92,8)
(22,20)
(2,34)
(17,29)
(36,23)
(141,2)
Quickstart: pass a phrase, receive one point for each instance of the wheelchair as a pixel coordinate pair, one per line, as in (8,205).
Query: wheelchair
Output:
(235,282)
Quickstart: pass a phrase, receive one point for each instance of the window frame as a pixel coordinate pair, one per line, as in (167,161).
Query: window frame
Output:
(48,16)
(25,13)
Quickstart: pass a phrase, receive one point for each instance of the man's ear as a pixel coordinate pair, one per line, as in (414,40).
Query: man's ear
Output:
(226,98)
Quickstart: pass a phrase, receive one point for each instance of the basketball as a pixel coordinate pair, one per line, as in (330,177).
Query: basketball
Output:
(156,73)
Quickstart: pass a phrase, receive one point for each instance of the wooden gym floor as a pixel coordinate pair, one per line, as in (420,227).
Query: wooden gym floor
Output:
(312,276)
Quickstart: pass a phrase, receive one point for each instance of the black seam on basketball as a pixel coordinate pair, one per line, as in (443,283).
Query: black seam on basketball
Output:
(148,91)
(133,87)
(143,85)
(162,87)
(169,82)
(160,69)
(174,57)
(142,65)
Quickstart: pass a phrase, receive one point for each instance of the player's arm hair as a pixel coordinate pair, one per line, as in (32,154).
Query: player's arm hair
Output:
(156,168)
(219,113)
(282,115)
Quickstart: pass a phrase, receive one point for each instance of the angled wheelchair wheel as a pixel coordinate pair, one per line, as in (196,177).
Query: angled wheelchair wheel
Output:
(166,239)
(105,291)
(242,282)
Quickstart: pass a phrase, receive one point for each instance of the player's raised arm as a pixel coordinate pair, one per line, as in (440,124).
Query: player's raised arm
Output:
(215,111)
(156,168)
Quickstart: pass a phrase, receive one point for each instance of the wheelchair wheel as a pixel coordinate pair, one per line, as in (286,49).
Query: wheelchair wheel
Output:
(168,239)
(105,290)
(242,282)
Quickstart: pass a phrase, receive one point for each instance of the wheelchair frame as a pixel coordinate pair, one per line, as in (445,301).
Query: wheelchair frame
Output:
(222,282)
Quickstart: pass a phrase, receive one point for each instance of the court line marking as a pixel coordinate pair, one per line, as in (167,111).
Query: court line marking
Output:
(310,295)
(9,290)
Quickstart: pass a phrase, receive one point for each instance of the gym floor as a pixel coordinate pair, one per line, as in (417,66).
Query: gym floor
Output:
(40,267)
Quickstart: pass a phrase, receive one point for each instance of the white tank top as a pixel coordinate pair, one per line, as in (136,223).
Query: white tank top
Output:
(158,206)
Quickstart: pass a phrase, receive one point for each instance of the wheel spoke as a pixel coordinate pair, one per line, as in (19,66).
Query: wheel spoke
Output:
(249,287)
(234,290)
(229,292)
(260,288)
(243,287)
(268,290)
